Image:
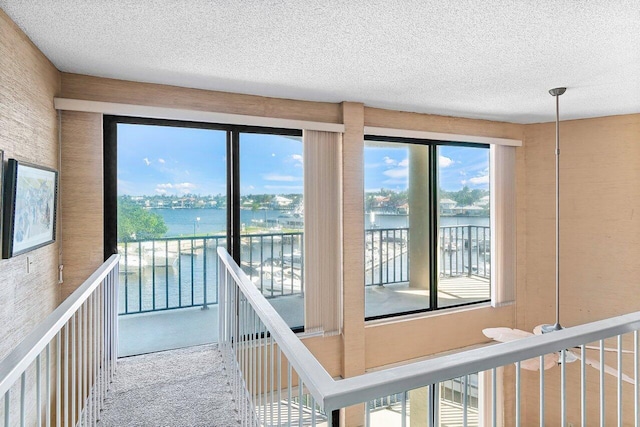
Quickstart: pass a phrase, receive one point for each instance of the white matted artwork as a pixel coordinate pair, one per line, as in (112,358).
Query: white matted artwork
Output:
(29,207)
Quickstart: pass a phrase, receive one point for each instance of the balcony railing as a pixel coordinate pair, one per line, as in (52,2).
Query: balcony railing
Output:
(179,272)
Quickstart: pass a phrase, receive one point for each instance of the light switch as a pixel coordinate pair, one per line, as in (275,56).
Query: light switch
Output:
(29,264)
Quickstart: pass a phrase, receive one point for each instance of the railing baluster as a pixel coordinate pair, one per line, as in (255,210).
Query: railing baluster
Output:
(636,376)
(166,273)
(494,397)
(7,408)
(518,412)
(380,255)
(179,273)
(23,394)
(271,369)
(58,378)
(619,380)
(38,392)
(204,272)
(602,407)
(563,387)
(300,411)
(583,386)
(48,386)
(403,411)
(192,272)
(140,276)
(465,381)
(289,391)
(126,278)
(542,390)
(73,369)
(279,386)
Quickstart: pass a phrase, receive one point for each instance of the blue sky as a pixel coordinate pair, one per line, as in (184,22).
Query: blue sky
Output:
(388,167)
(174,161)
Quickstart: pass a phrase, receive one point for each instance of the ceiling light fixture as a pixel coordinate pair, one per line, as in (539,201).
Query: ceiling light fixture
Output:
(556,92)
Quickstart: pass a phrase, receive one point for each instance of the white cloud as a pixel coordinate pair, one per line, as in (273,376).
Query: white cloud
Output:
(297,157)
(389,161)
(397,173)
(182,187)
(146,161)
(404,163)
(400,182)
(161,161)
(284,187)
(478,180)
(444,162)
(273,154)
(280,178)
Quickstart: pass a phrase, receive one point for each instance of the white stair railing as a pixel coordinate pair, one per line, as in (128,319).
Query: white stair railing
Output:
(278,381)
(59,374)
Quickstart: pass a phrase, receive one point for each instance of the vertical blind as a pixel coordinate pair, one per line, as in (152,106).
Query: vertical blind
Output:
(323,231)
(503,225)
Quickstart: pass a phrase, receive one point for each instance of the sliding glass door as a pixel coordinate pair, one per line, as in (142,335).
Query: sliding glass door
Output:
(174,193)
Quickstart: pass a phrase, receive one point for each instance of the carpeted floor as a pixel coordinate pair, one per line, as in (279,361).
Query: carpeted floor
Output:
(185,387)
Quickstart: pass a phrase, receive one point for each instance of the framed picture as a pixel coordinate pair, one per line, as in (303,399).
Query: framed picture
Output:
(30,194)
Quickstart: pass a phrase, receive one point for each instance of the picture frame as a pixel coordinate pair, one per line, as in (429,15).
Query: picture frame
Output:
(30,201)
(1,193)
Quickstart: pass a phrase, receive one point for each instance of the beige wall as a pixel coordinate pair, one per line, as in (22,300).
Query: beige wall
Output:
(28,132)
(81,197)
(412,337)
(600,239)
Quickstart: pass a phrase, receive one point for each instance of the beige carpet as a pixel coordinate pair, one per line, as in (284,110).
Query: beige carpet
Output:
(185,387)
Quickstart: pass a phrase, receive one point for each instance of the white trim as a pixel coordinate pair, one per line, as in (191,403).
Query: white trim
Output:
(146,111)
(331,394)
(451,137)
(16,362)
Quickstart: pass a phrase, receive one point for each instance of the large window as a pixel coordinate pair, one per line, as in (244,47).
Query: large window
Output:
(177,191)
(272,220)
(427,225)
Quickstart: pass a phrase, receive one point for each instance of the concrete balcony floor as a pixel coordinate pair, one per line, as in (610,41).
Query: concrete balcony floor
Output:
(178,328)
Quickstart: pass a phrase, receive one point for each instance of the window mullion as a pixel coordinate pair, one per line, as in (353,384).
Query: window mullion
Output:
(433,221)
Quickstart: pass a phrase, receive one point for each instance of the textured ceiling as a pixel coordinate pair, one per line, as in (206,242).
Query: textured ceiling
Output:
(492,59)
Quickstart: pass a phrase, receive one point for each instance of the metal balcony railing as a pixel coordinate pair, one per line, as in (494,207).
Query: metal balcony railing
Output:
(179,272)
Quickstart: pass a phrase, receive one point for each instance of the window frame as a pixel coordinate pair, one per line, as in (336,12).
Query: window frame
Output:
(110,174)
(110,171)
(433,145)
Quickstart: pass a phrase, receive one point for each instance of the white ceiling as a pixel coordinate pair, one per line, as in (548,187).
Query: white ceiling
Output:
(492,59)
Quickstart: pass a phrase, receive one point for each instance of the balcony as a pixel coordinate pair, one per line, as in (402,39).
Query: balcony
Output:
(158,277)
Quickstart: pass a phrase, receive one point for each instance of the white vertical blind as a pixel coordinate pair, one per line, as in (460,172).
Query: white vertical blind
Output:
(322,231)
(503,224)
